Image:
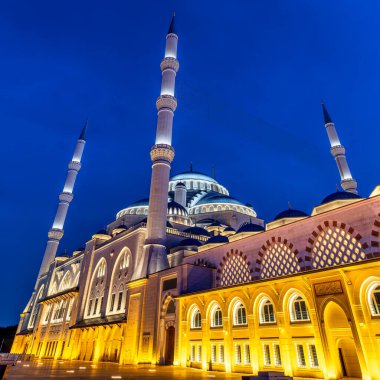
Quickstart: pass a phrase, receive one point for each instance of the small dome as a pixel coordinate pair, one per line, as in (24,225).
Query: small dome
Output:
(180,184)
(217,239)
(340,195)
(290,213)
(228,229)
(250,227)
(175,208)
(189,242)
(197,231)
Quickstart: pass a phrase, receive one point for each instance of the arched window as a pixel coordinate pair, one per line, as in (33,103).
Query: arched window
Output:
(66,282)
(196,319)
(298,309)
(239,315)
(96,291)
(36,307)
(216,316)
(266,311)
(120,275)
(374,300)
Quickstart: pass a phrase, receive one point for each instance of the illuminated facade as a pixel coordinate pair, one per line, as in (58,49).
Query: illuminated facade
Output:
(193,277)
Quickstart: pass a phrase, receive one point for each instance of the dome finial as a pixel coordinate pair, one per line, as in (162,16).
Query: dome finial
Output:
(191,166)
(213,171)
(289,205)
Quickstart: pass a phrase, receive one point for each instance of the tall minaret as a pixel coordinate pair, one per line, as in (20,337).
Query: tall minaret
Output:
(56,232)
(339,152)
(162,154)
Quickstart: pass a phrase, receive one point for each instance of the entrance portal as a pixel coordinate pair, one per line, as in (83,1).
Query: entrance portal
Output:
(341,342)
(169,345)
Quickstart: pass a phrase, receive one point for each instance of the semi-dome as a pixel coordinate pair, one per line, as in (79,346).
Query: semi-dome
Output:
(140,202)
(175,208)
(290,213)
(340,195)
(197,231)
(220,199)
(250,227)
(217,239)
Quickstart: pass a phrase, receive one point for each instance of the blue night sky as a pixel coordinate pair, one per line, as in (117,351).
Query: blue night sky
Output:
(252,75)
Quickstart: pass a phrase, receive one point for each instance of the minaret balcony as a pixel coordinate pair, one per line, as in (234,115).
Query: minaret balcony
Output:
(169,63)
(75,165)
(66,197)
(55,234)
(162,152)
(338,150)
(166,101)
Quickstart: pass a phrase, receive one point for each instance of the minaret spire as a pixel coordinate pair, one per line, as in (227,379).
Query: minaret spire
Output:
(56,232)
(339,152)
(162,154)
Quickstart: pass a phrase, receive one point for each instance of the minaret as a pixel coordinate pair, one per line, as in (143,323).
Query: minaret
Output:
(339,152)
(56,232)
(162,154)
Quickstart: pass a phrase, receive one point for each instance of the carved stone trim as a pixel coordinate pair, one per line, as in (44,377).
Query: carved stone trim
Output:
(328,288)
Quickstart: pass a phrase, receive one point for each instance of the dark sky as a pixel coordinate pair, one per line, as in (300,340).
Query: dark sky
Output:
(252,75)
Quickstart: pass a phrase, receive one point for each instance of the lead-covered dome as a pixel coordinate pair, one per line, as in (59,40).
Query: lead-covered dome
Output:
(196,182)
(197,231)
(340,195)
(290,213)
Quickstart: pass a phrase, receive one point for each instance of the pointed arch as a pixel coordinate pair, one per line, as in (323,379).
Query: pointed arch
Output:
(66,282)
(121,273)
(96,290)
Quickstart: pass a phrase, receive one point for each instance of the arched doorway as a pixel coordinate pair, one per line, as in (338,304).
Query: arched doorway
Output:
(169,345)
(341,342)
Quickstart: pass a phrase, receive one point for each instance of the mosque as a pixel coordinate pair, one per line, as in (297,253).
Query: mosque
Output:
(193,277)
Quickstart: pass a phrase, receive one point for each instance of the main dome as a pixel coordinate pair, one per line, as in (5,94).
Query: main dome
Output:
(193,176)
(197,182)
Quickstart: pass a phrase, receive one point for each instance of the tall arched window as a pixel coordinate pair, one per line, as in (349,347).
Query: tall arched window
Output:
(96,291)
(239,314)
(216,316)
(266,311)
(120,275)
(36,307)
(298,309)
(374,299)
(196,319)
(66,282)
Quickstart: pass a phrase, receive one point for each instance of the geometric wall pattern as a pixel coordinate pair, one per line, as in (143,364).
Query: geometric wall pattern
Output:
(334,243)
(278,260)
(235,269)
(335,246)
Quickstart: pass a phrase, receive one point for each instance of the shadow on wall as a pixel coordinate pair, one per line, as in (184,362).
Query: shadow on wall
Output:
(7,335)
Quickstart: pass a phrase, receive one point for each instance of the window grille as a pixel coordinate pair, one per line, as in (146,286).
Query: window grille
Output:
(313,358)
(267,358)
(300,356)
(277,355)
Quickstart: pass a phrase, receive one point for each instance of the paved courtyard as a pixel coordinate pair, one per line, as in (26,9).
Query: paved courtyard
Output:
(44,369)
